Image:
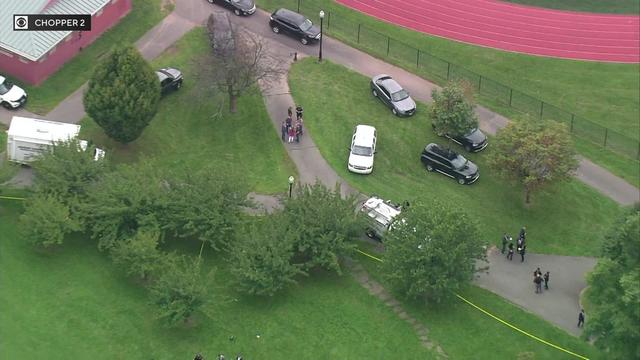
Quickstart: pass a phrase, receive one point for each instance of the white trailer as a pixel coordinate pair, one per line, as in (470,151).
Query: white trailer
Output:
(29,138)
(380,215)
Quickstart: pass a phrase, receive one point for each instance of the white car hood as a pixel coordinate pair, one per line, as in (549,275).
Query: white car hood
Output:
(358,160)
(14,94)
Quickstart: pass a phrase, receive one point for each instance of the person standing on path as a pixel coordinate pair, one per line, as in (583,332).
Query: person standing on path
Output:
(546,280)
(522,250)
(290,112)
(283,131)
(298,131)
(510,254)
(538,281)
(523,234)
(537,272)
(505,240)
(292,134)
(289,122)
(299,111)
(581,318)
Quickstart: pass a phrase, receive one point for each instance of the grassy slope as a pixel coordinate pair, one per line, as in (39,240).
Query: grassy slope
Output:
(144,15)
(595,6)
(569,219)
(591,90)
(73,303)
(454,323)
(184,133)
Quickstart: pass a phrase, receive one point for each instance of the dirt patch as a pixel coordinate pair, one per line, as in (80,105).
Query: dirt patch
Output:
(167,6)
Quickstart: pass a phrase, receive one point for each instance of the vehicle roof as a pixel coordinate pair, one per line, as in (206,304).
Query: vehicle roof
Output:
(449,154)
(391,85)
(169,72)
(380,211)
(290,15)
(2,79)
(364,135)
(44,130)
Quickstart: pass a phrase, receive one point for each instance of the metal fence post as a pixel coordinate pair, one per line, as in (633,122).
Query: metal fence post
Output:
(541,108)
(479,83)
(418,59)
(358,40)
(448,70)
(298,5)
(388,44)
(606,131)
(573,116)
(510,96)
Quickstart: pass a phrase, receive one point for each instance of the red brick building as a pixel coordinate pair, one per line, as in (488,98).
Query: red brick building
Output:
(32,56)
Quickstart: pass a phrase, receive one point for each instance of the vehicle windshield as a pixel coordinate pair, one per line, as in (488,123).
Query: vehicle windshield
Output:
(471,132)
(5,87)
(306,25)
(362,150)
(459,162)
(400,95)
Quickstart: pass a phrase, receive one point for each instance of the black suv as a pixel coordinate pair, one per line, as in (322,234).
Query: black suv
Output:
(449,163)
(294,24)
(239,7)
(170,79)
(474,141)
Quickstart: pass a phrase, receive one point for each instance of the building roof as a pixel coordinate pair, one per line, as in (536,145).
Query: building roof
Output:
(37,130)
(33,45)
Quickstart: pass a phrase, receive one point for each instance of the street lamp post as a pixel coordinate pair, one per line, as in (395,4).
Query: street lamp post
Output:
(291,179)
(321,35)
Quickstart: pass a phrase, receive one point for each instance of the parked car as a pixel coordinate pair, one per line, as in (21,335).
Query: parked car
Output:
(294,24)
(362,149)
(450,163)
(474,141)
(239,7)
(392,95)
(11,95)
(170,79)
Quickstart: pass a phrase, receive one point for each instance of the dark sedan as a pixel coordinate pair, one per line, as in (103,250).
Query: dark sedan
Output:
(239,7)
(170,79)
(293,24)
(392,95)
(474,141)
(449,163)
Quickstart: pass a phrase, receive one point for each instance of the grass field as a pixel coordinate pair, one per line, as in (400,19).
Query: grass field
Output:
(594,6)
(591,90)
(144,15)
(568,219)
(184,134)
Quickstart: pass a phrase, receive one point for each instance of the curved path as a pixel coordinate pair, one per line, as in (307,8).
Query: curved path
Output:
(517,28)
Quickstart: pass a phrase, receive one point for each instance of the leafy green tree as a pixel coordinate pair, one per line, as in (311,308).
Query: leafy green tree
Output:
(614,292)
(123,94)
(139,255)
(205,205)
(261,258)
(534,153)
(431,251)
(46,221)
(181,290)
(126,201)
(322,223)
(451,112)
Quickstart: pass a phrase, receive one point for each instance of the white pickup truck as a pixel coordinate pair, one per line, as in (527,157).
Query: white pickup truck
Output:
(28,138)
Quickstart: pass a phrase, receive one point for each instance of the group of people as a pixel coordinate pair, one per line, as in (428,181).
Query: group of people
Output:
(521,245)
(292,131)
(539,278)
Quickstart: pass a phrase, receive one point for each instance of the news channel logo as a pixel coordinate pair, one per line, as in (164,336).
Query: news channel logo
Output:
(51,22)
(20,22)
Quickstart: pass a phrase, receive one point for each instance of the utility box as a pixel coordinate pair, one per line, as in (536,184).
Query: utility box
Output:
(28,138)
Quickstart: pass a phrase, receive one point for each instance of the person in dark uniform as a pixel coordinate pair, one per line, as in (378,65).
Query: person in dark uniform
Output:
(537,272)
(581,318)
(510,254)
(290,112)
(538,281)
(546,280)
(522,251)
(283,131)
(299,111)
(523,233)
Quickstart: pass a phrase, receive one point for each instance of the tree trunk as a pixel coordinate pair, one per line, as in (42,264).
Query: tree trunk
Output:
(233,99)
(527,195)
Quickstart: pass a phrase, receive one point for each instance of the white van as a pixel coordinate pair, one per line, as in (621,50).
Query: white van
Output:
(28,138)
(362,149)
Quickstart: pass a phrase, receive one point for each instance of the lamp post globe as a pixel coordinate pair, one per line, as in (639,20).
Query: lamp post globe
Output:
(321,34)
(291,180)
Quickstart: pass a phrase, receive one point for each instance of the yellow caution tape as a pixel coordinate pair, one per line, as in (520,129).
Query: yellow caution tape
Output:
(496,318)
(12,198)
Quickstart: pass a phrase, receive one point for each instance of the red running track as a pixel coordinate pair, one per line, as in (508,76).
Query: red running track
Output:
(523,29)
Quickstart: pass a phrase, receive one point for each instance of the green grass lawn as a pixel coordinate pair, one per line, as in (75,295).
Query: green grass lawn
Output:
(144,15)
(7,169)
(184,134)
(595,6)
(568,219)
(605,93)
(484,337)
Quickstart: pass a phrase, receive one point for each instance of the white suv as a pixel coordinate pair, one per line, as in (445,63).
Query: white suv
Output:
(11,96)
(362,150)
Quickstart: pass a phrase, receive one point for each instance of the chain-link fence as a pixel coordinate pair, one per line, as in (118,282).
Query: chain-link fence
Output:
(433,67)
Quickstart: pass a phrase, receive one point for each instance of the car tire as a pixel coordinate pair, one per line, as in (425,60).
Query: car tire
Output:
(178,85)
(468,148)
(275,29)
(374,93)
(6,105)
(393,110)
(429,168)
(237,12)
(461,181)
(304,41)
(370,234)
